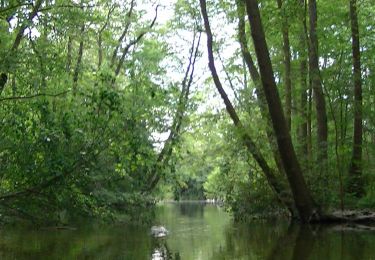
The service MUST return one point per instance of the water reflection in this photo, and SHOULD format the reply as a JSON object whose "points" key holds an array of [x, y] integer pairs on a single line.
{"points": [[300, 239], [160, 250], [295, 242], [196, 232], [191, 209]]}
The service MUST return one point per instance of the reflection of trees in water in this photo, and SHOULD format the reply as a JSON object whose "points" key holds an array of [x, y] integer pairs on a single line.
{"points": [[295, 242], [241, 241], [93, 243], [160, 250], [191, 209], [267, 241]]}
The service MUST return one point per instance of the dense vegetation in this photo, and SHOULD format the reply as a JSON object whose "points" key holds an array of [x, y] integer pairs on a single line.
{"points": [[108, 106]]}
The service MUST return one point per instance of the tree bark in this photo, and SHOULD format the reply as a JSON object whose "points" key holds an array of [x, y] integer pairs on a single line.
{"points": [[307, 209], [355, 184], [303, 126], [69, 55], [287, 66], [254, 74], [320, 104], [246, 138]]}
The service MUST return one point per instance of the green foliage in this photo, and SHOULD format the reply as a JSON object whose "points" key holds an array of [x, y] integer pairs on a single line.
{"points": [[79, 139], [84, 153]]}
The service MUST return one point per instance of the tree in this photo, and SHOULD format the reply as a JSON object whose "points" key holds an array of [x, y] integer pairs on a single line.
{"points": [[77, 131], [19, 36], [355, 184], [303, 133], [246, 138], [175, 129], [287, 66], [253, 71], [320, 104], [304, 202]]}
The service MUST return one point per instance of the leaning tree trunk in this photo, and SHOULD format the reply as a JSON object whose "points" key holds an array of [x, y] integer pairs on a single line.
{"points": [[262, 102], [320, 105], [175, 130], [280, 191], [255, 77], [304, 202], [355, 184]]}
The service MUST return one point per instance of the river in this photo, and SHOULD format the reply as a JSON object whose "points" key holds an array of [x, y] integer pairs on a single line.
{"points": [[197, 231]]}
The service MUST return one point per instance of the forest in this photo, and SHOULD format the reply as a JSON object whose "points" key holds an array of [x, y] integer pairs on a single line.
{"points": [[107, 107]]}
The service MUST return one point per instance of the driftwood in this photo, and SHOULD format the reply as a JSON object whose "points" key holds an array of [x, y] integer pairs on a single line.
{"points": [[358, 217], [353, 227]]}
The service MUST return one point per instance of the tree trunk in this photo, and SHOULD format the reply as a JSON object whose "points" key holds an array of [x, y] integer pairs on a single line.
{"points": [[303, 126], [304, 202], [79, 61], [175, 129], [100, 50], [254, 74], [320, 104], [69, 55], [248, 141], [287, 67], [355, 184], [124, 33]]}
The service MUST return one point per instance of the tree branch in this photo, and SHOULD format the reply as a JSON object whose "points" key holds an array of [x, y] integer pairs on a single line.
{"points": [[100, 40], [124, 33], [34, 96], [17, 41], [132, 43]]}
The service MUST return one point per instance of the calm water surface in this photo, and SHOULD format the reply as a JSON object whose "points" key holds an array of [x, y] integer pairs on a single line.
{"points": [[197, 231]]}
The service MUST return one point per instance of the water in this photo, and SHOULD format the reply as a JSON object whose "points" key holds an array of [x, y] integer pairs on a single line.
{"points": [[197, 231]]}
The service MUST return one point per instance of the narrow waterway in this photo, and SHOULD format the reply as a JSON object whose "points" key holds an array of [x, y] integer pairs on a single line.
{"points": [[196, 231]]}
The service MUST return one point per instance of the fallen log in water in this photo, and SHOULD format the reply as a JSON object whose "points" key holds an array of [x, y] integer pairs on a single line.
{"points": [[349, 216]]}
